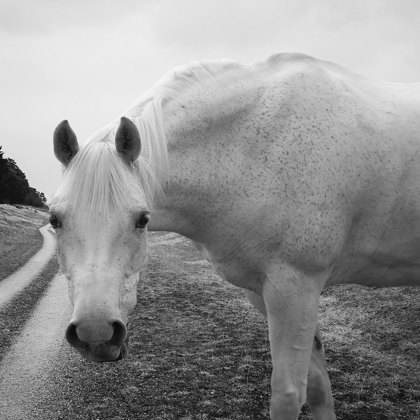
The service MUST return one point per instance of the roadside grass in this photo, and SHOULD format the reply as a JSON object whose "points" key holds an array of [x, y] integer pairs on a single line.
{"points": [[200, 351], [20, 238]]}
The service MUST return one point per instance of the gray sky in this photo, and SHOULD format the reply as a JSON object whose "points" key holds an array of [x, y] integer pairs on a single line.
{"points": [[87, 60]]}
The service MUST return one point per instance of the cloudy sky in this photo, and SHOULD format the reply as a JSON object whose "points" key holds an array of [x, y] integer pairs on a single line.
{"points": [[87, 60]]}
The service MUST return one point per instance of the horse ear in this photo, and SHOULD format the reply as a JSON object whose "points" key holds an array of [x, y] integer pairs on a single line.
{"points": [[127, 140], [65, 143]]}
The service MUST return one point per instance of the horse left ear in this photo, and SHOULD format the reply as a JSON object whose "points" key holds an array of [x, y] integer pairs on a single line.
{"points": [[127, 140]]}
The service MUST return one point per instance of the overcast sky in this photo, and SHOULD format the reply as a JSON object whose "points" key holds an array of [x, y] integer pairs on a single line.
{"points": [[87, 60]]}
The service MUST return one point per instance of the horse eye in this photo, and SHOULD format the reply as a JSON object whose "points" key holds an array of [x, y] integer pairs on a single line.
{"points": [[142, 222], [54, 222]]}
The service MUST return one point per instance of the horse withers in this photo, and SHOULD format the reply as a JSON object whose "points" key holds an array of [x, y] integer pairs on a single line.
{"points": [[289, 175]]}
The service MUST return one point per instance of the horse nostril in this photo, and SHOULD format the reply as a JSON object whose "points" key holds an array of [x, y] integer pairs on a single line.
{"points": [[120, 333], [72, 337]]}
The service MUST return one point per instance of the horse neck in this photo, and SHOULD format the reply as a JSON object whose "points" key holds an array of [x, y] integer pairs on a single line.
{"points": [[204, 134]]}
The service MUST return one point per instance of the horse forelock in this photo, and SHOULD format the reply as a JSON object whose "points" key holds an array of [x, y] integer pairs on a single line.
{"points": [[96, 184]]}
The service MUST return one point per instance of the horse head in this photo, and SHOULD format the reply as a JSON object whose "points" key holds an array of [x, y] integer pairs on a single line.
{"points": [[100, 214]]}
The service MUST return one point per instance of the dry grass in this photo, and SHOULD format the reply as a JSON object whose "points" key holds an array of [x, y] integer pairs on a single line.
{"points": [[19, 236], [373, 351]]}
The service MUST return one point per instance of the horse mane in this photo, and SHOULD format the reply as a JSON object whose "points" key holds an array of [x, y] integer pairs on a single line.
{"points": [[97, 174]]}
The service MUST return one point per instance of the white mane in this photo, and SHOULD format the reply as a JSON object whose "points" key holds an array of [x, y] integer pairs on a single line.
{"points": [[97, 174]]}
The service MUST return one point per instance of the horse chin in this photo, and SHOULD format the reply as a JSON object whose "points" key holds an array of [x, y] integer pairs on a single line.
{"points": [[123, 352], [105, 354]]}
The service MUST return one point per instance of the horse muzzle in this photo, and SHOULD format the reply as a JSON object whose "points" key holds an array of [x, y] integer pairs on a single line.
{"points": [[99, 341]]}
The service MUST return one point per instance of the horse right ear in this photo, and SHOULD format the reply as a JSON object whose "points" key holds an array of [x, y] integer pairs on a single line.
{"points": [[65, 143]]}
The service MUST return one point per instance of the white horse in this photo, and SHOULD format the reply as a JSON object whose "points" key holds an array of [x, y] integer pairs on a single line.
{"points": [[290, 175]]}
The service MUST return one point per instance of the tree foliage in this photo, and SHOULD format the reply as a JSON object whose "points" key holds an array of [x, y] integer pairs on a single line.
{"points": [[14, 187]]}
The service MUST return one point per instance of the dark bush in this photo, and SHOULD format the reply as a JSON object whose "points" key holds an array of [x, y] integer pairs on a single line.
{"points": [[14, 187]]}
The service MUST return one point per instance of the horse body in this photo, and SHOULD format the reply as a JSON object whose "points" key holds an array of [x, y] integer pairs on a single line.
{"points": [[289, 175], [304, 162]]}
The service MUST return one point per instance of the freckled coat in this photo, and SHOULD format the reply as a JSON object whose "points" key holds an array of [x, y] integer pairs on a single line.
{"points": [[301, 160]]}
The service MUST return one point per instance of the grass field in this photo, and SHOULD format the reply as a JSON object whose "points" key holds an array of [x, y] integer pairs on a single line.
{"points": [[200, 351]]}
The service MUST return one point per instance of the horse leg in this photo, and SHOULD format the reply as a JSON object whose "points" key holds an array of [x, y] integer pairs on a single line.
{"points": [[291, 301], [319, 396]]}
